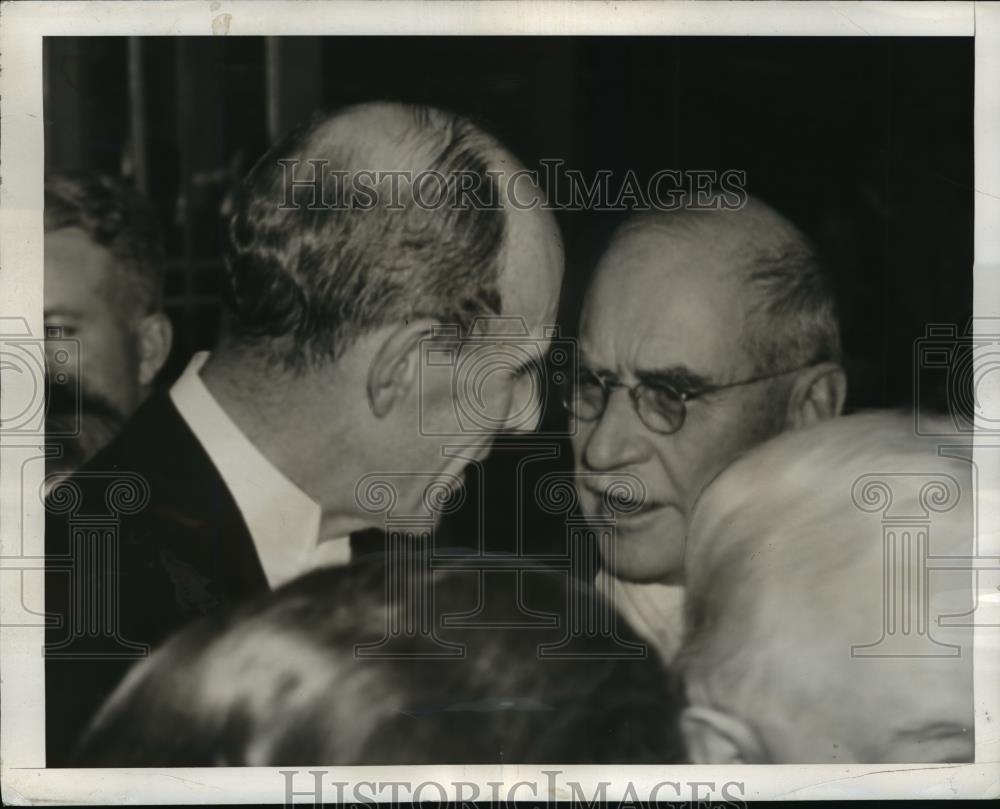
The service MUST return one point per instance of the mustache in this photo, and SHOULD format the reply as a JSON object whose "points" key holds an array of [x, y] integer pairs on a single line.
{"points": [[79, 424], [63, 403]]}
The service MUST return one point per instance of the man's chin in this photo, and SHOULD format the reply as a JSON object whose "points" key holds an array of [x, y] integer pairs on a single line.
{"points": [[77, 447], [645, 574], [643, 557], [72, 454]]}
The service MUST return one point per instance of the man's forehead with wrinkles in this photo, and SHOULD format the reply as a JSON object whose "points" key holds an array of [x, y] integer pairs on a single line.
{"points": [[665, 298], [740, 235]]}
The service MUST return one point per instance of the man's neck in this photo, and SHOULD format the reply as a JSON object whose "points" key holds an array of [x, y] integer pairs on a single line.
{"points": [[253, 407], [259, 407]]}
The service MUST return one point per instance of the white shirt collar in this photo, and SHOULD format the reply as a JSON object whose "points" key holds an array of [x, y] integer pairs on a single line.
{"points": [[282, 519], [654, 610]]}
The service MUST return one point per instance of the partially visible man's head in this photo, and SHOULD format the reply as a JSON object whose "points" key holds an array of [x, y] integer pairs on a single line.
{"points": [[352, 239], [681, 302], [103, 288], [813, 629], [281, 681]]}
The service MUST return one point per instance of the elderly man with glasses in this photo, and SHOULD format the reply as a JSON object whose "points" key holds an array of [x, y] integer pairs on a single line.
{"points": [[704, 333]]}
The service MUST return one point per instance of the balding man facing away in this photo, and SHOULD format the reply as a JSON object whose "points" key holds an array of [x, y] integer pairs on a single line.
{"points": [[816, 631], [704, 332], [252, 462]]}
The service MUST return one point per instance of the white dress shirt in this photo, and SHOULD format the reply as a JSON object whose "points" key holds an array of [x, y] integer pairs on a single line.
{"points": [[655, 611], [283, 520]]}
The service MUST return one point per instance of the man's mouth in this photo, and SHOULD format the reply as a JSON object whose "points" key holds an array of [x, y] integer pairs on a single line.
{"points": [[64, 406], [622, 502]]}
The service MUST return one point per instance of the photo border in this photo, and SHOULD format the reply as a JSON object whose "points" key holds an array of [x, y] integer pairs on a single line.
{"points": [[22, 26]]}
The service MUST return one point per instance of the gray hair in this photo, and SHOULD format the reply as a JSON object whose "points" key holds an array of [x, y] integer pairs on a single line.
{"points": [[118, 218], [791, 319], [253, 686], [309, 279]]}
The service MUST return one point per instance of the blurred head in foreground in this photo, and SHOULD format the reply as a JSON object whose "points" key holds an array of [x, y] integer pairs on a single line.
{"points": [[791, 654], [279, 683]]}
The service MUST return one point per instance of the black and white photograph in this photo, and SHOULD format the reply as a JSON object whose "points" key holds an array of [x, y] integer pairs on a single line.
{"points": [[543, 401]]}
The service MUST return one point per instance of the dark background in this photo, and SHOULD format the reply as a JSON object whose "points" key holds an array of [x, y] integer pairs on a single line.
{"points": [[866, 143]]}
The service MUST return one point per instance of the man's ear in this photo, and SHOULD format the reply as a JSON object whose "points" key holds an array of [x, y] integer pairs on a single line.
{"points": [[395, 366], [156, 336], [817, 394], [714, 737]]}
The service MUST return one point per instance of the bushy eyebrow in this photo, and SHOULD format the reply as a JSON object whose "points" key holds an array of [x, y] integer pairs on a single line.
{"points": [[586, 365], [676, 376]]}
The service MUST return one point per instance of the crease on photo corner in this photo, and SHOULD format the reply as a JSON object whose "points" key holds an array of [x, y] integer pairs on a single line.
{"points": [[887, 771], [14, 797]]}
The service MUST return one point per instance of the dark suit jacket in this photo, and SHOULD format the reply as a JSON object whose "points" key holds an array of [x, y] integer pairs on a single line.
{"points": [[141, 541]]}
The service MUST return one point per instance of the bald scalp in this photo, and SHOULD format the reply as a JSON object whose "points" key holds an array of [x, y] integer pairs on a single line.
{"points": [[386, 136], [417, 139], [777, 572], [790, 318], [736, 233], [323, 248]]}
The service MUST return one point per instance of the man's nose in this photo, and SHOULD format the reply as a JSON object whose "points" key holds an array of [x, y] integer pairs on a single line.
{"points": [[619, 438]]}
